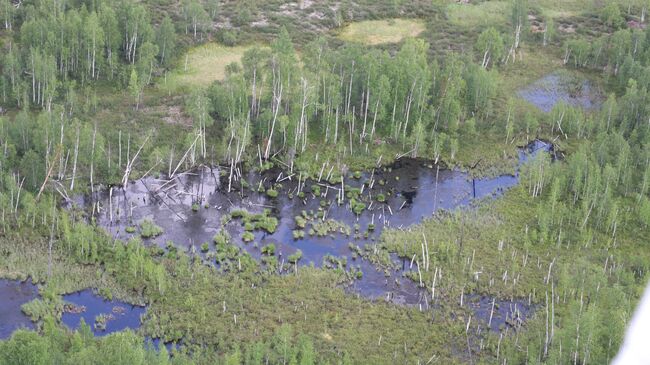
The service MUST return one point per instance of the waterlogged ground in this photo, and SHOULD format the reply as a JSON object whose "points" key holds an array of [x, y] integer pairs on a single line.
{"points": [[192, 207], [13, 294], [558, 87]]}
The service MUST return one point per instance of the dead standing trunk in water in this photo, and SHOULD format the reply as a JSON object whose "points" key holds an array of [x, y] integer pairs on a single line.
{"points": [[74, 166], [277, 100], [129, 165]]}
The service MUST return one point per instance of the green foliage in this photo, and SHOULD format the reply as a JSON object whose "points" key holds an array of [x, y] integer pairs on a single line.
{"points": [[298, 234], [610, 14], [269, 249], [248, 237], [295, 257], [490, 47], [272, 193], [301, 222], [357, 206], [148, 229]]}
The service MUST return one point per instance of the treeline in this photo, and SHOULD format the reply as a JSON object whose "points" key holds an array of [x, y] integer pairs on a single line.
{"points": [[352, 97], [60, 45]]}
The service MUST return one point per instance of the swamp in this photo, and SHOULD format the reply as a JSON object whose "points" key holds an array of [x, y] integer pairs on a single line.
{"points": [[322, 182]]}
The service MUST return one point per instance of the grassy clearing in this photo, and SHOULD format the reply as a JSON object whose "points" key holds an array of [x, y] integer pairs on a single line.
{"points": [[374, 32], [482, 14], [202, 66]]}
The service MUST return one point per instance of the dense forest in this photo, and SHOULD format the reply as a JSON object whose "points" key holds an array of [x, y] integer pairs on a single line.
{"points": [[336, 125]]}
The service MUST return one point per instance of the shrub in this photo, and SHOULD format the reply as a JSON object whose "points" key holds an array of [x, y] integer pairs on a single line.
{"points": [[295, 257], [300, 221], [269, 249], [272, 193], [298, 234], [248, 237], [149, 229]]}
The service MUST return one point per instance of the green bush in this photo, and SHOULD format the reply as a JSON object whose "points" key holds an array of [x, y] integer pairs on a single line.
{"points": [[295, 257], [248, 237], [300, 221], [149, 229], [269, 249], [272, 193], [298, 234]]}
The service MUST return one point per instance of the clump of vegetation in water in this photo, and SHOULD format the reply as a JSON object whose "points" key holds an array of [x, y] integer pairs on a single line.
{"points": [[329, 226], [221, 238], [130, 229], [352, 193], [205, 247], [248, 237], [298, 234], [301, 222], [315, 189], [269, 249], [149, 229], [295, 257], [381, 198], [195, 207], [251, 222], [357, 206], [335, 263], [272, 193], [357, 175], [101, 321]]}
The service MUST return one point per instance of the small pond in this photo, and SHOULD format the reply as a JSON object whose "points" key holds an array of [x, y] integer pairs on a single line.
{"points": [[13, 294], [558, 87], [103, 316]]}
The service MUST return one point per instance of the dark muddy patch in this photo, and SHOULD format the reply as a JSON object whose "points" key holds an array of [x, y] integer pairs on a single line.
{"points": [[559, 87], [13, 294], [103, 316]]}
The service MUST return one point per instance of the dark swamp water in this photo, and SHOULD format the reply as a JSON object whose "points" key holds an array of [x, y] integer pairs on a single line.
{"points": [[190, 207], [102, 315], [13, 294]]}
